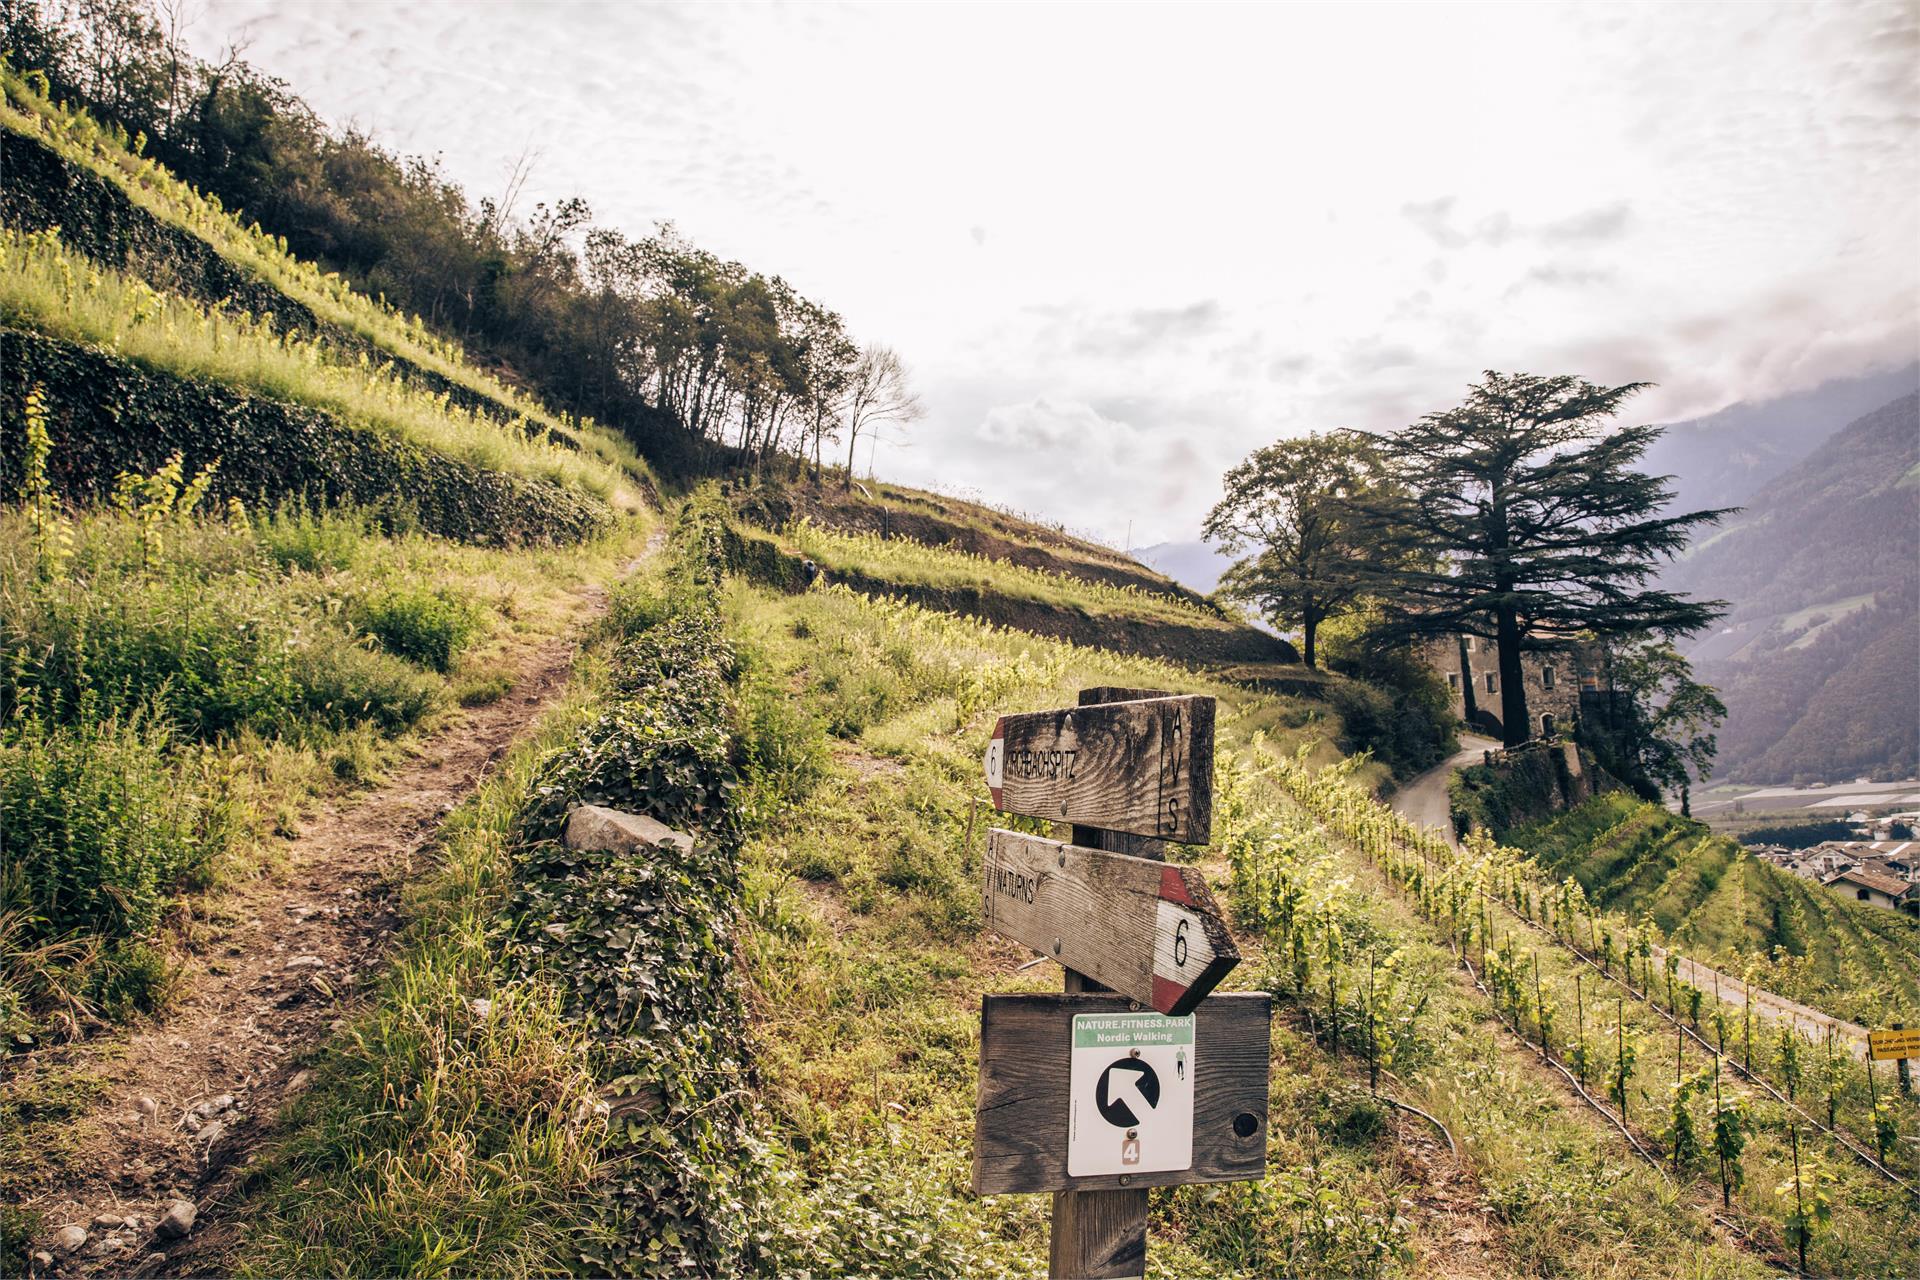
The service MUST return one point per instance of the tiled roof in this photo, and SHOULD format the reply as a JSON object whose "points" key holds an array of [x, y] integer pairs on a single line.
{"points": [[1888, 885]]}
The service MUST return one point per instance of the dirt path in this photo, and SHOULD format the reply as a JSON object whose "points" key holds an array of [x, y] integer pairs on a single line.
{"points": [[183, 1100]]}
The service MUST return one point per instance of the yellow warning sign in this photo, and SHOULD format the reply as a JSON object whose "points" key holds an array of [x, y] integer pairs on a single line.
{"points": [[1894, 1044]]}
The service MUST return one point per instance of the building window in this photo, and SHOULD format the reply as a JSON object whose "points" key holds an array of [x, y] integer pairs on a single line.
{"points": [[1489, 682], [1453, 681], [1865, 896], [1546, 677]]}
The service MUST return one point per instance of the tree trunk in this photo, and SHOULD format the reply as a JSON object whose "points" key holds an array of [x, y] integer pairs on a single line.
{"points": [[853, 438], [1514, 728], [1469, 705], [1309, 624]]}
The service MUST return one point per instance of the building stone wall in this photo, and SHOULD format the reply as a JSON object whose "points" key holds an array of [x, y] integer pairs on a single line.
{"points": [[1553, 682]]}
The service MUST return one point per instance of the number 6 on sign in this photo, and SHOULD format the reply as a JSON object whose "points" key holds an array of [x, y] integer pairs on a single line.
{"points": [[1147, 929]]}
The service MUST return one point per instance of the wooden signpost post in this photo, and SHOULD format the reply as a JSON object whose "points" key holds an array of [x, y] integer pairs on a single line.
{"points": [[1133, 1078]]}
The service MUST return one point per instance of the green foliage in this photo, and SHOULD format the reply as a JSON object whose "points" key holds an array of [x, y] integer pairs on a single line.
{"points": [[341, 684], [1297, 509], [898, 560], [271, 449], [1812, 1208], [102, 822], [1799, 835], [429, 626], [1526, 786], [47, 288], [664, 749], [52, 541], [1732, 1128], [1660, 736], [1683, 1135], [300, 536], [1707, 894], [1525, 522]]}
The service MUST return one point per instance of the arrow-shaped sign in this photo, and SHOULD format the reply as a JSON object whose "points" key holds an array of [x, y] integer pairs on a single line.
{"points": [[1148, 930], [1142, 766]]}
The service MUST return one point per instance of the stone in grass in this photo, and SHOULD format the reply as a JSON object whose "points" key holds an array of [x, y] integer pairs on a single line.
{"points": [[69, 1238], [178, 1220], [592, 827]]}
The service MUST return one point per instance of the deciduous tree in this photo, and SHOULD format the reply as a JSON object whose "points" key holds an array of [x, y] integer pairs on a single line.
{"points": [[1298, 511]]}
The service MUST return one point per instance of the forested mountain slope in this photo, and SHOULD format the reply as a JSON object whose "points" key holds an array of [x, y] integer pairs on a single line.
{"points": [[1818, 659], [1723, 459]]}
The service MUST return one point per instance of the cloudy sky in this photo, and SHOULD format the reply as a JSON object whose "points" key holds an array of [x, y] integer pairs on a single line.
{"points": [[1121, 246]]}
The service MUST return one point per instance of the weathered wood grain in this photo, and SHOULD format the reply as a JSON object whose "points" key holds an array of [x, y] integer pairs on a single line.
{"points": [[1143, 766], [1119, 841], [1098, 1235], [1145, 929], [1021, 1125]]}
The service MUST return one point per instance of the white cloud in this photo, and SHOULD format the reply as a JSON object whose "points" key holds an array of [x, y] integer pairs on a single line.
{"points": [[1210, 225]]}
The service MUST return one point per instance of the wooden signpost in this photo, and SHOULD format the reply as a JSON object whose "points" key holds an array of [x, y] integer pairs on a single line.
{"points": [[1144, 929], [1143, 766], [1134, 1077]]}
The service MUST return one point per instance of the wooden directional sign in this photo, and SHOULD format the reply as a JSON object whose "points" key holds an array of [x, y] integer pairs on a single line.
{"points": [[1148, 930], [1897, 1043], [1144, 767], [1060, 1084]]}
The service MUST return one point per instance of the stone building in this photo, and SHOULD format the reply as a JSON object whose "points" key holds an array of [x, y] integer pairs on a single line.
{"points": [[1877, 888], [1554, 683]]}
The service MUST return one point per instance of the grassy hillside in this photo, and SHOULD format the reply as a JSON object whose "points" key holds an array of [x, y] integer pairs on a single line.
{"points": [[282, 330], [852, 844], [1080, 603], [895, 511], [177, 685], [1721, 904]]}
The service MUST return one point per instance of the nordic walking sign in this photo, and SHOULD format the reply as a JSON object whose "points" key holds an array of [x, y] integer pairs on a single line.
{"points": [[1130, 1092]]}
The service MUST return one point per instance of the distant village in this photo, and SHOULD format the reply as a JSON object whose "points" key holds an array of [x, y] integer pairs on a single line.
{"points": [[1875, 869]]}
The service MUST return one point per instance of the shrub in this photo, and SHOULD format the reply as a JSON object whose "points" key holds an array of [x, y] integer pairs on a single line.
{"points": [[100, 824], [483, 690], [297, 536], [341, 683], [211, 662], [427, 626], [633, 607]]}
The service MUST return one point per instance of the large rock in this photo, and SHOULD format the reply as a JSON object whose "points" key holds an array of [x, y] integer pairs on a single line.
{"points": [[178, 1220], [592, 827]]}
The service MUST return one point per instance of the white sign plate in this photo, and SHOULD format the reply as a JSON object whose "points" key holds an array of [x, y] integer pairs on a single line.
{"points": [[1130, 1093]]}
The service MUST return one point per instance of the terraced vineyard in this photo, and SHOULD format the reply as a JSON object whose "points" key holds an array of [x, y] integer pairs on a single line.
{"points": [[1723, 906]]}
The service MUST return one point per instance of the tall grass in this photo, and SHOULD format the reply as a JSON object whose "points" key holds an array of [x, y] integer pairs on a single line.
{"points": [[173, 686], [78, 137], [49, 288]]}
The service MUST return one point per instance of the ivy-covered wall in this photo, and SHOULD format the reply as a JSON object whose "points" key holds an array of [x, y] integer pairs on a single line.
{"points": [[43, 190], [109, 415]]}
